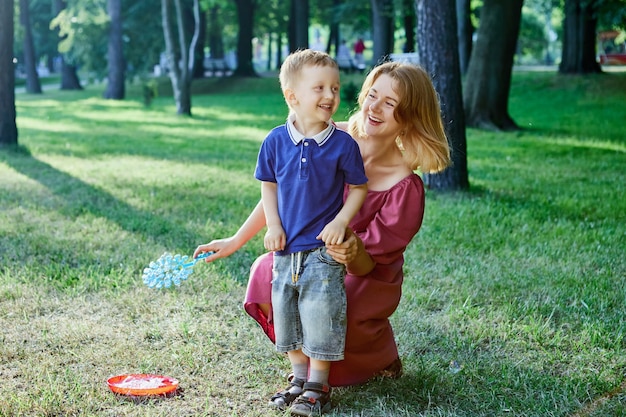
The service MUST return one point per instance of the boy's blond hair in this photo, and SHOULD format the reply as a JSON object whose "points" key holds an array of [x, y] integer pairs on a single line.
{"points": [[290, 69]]}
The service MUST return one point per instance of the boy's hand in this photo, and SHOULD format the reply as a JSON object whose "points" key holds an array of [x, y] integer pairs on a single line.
{"points": [[275, 238], [333, 233]]}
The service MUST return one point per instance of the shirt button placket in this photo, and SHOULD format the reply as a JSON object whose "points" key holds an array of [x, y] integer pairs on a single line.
{"points": [[304, 159]]}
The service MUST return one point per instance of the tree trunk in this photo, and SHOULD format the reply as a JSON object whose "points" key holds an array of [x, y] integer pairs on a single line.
{"points": [[299, 25], [491, 64], [333, 39], [409, 20], [33, 86], [382, 29], [180, 72], [245, 17], [216, 41], [579, 38], [115, 53], [8, 128], [69, 76], [438, 51], [464, 32], [198, 66]]}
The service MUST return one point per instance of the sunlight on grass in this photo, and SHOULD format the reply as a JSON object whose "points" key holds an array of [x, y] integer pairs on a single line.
{"points": [[49, 126]]}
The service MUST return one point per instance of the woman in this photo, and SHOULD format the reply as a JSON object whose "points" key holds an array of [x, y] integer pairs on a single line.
{"points": [[399, 130]]}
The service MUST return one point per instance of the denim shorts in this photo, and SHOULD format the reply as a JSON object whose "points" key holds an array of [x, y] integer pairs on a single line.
{"points": [[309, 304]]}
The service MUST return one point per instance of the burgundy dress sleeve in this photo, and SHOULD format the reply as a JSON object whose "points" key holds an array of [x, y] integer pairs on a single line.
{"points": [[387, 222]]}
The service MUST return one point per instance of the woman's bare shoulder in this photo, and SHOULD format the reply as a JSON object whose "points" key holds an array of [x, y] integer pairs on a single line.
{"points": [[342, 125]]}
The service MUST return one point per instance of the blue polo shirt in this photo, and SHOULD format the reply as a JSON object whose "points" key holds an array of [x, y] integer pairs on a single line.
{"points": [[310, 174]]}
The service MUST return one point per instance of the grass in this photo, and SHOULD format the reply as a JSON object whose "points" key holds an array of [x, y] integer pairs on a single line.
{"points": [[514, 291]]}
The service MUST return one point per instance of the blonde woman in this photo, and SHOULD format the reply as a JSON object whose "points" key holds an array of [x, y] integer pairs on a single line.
{"points": [[399, 131]]}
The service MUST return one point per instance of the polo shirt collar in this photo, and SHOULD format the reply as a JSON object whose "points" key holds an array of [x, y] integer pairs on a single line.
{"points": [[297, 137]]}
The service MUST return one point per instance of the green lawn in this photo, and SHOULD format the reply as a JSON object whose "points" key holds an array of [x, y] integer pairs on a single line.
{"points": [[514, 295]]}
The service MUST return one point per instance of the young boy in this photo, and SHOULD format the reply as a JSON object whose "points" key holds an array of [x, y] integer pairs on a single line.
{"points": [[304, 166]]}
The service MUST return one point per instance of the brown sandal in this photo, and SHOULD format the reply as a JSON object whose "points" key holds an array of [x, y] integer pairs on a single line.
{"points": [[284, 398], [310, 406]]}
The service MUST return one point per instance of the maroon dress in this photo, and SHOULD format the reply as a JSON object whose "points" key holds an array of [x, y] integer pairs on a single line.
{"points": [[386, 223]]}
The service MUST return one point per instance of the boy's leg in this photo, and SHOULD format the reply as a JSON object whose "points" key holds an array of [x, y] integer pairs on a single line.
{"points": [[319, 373], [299, 366], [315, 400]]}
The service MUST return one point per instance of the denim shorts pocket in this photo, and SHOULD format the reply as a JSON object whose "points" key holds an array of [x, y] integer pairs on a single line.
{"points": [[324, 257]]}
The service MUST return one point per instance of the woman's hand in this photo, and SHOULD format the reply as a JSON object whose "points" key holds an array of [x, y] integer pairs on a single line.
{"points": [[346, 251], [221, 248]]}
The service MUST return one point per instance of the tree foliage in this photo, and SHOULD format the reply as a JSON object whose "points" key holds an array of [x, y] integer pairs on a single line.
{"points": [[84, 24]]}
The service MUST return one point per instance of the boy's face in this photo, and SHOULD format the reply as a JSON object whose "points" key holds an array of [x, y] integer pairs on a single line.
{"points": [[314, 95]]}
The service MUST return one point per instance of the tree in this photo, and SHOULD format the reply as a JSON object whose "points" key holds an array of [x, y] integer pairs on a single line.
{"points": [[491, 65], [33, 86], [382, 28], [409, 22], [115, 53], [465, 30], [180, 55], [579, 38], [216, 41], [245, 16], [198, 67], [298, 25], [69, 76], [84, 29], [8, 128], [438, 53]]}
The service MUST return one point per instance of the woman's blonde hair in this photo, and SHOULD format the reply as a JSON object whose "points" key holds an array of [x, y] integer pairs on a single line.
{"points": [[422, 140]]}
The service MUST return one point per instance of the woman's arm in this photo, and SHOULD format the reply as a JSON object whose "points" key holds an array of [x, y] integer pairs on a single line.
{"points": [[227, 246], [352, 253]]}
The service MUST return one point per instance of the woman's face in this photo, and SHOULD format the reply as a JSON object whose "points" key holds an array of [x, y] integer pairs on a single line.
{"points": [[379, 107]]}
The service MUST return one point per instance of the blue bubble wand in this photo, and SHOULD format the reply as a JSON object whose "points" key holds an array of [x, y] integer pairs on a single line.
{"points": [[170, 269]]}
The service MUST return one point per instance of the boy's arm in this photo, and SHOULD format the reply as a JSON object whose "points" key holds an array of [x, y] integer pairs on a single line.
{"points": [[334, 232], [275, 236]]}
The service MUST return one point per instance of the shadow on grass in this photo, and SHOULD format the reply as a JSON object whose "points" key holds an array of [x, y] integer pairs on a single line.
{"points": [[79, 198], [411, 394]]}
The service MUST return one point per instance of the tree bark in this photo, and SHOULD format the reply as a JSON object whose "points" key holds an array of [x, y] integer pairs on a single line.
{"points": [[579, 38], [198, 66], [180, 72], [382, 29], [216, 41], [438, 53], [8, 128], [409, 21], [33, 86], [115, 87], [298, 25], [464, 32], [491, 64], [245, 16], [69, 75]]}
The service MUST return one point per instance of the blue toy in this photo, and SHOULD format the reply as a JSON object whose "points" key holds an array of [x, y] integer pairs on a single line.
{"points": [[170, 269]]}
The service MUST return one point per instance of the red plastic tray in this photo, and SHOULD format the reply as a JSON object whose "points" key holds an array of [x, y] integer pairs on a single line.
{"points": [[142, 384]]}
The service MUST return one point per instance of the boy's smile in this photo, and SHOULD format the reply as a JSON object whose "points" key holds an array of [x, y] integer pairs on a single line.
{"points": [[314, 98]]}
